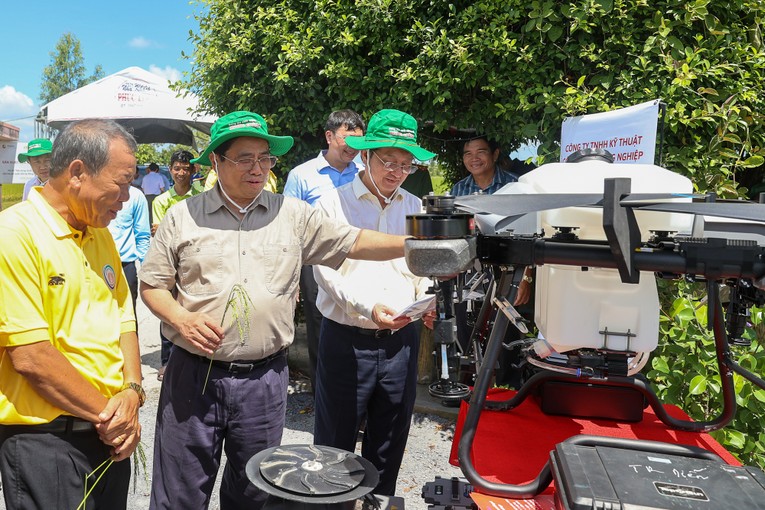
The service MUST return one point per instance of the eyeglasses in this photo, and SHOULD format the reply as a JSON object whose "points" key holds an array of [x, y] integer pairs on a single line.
{"points": [[392, 167], [248, 164]]}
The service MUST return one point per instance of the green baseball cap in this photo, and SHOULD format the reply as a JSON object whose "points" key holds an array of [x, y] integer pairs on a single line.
{"points": [[36, 147], [242, 123], [390, 128]]}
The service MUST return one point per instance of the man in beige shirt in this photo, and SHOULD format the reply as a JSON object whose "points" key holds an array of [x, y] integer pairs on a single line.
{"points": [[222, 274]]}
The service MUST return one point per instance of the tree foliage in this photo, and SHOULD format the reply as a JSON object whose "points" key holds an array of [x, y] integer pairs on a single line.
{"points": [[159, 153], [684, 369], [66, 71], [510, 68]]}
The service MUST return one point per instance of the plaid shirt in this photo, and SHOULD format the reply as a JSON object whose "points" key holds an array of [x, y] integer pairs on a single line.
{"points": [[467, 186]]}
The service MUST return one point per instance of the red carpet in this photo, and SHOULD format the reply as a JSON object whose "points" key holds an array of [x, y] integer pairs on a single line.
{"points": [[512, 446]]}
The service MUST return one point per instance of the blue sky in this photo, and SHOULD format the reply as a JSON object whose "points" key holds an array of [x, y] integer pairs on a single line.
{"points": [[146, 33]]}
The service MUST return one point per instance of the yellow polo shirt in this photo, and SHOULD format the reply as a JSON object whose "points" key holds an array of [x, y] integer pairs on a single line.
{"points": [[58, 286]]}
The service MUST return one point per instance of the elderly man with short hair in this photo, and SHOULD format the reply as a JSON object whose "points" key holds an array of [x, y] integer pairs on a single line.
{"points": [[70, 369]]}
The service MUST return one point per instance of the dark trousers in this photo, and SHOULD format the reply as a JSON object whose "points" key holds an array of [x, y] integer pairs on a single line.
{"points": [[308, 292], [165, 347], [242, 414], [362, 376], [131, 275], [45, 470], [150, 200]]}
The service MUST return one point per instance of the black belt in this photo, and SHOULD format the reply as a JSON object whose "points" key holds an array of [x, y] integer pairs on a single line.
{"points": [[375, 333], [241, 366], [61, 425]]}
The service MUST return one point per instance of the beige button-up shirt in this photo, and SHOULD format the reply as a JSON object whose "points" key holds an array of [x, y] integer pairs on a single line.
{"points": [[202, 250]]}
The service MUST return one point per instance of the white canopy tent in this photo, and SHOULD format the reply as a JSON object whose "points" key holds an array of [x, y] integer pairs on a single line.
{"points": [[139, 100]]}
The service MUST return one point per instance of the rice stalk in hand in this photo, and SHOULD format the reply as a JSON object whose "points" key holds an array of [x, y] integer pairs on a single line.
{"points": [[139, 463], [102, 468], [239, 303]]}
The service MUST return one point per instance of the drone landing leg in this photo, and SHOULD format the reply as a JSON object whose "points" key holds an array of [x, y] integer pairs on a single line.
{"points": [[477, 401], [543, 479]]}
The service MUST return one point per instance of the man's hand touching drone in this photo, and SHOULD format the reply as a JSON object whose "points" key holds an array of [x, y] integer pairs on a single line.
{"points": [[524, 289]]}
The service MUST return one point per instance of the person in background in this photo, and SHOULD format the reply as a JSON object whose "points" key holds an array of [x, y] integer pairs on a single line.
{"points": [[199, 176], [38, 155], [153, 185], [333, 167], [367, 363], [480, 156], [183, 188], [132, 234], [70, 367], [237, 248], [137, 179]]}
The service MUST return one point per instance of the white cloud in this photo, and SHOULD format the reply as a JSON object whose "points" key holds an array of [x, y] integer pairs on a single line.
{"points": [[141, 42], [18, 109], [172, 74], [15, 104]]}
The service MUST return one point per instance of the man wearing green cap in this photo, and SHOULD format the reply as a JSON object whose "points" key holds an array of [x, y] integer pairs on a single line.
{"points": [[222, 275], [367, 362], [38, 155]]}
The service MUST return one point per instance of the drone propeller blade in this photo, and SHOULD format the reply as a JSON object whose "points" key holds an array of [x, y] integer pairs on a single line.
{"points": [[514, 205], [635, 198], [739, 211], [517, 204]]}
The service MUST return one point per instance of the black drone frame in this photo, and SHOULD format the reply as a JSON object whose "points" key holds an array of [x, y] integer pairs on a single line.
{"points": [[712, 259]]}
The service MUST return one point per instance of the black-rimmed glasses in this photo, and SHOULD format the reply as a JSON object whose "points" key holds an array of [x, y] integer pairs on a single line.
{"points": [[248, 164], [392, 167]]}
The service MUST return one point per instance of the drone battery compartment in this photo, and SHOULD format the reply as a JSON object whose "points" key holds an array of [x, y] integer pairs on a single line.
{"points": [[589, 477], [582, 400]]}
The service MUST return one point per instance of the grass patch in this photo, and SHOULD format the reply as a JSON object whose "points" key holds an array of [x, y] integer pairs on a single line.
{"points": [[12, 194]]}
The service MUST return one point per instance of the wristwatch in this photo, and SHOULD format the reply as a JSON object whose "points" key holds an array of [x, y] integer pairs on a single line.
{"points": [[138, 389], [527, 278]]}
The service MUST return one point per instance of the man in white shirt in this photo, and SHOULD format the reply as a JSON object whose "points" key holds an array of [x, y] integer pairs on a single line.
{"points": [[332, 168], [38, 155], [367, 362]]}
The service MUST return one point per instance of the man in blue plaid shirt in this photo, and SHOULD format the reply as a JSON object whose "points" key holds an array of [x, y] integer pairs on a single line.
{"points": [[480, 156]]}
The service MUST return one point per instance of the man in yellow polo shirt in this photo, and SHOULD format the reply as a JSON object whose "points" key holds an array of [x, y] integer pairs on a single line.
{"points": [[70, 369]]}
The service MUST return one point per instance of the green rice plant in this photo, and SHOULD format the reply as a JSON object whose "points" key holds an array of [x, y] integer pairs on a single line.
{"points": [[98, 473], [139, 463], [11, 194], [240, 304]]}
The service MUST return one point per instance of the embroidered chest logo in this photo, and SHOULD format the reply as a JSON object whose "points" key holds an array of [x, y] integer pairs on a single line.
{"points": [[109, 276], [56, 280]]}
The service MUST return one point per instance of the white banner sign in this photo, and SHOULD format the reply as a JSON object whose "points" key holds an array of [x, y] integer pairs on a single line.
{"points": [[628, 133], [11, 171]]}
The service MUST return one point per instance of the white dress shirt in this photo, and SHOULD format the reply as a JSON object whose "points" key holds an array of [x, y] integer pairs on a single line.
{"points": [[31, 183], [348, 294]]}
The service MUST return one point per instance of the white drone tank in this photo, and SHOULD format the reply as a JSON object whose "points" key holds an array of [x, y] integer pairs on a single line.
{"points": [[576, 306]]}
